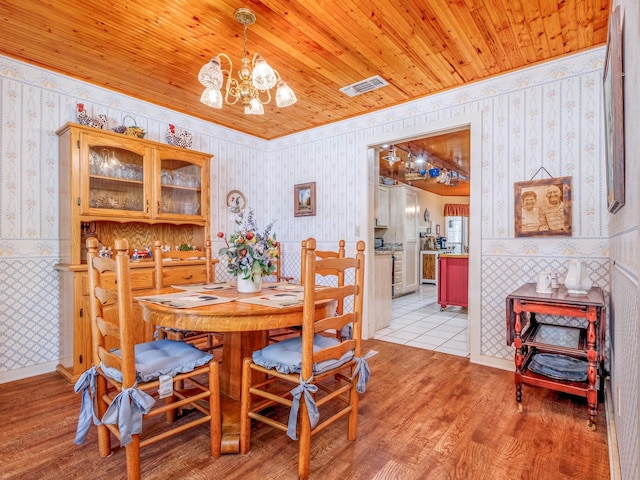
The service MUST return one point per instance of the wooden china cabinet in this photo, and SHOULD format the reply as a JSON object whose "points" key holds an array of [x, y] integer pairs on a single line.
{"points": [[113, 185]]}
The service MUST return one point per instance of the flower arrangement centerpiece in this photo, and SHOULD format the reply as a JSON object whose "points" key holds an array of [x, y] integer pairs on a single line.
{"points": [[249, 252]]}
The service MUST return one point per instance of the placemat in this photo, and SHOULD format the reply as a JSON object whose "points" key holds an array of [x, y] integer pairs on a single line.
{"points": [[186, 299], [284, 287], [276, 300], [204, 287]]}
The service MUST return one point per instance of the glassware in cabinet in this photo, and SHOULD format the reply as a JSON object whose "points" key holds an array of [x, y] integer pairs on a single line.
{"points": [[114, 177], [183, 180]]}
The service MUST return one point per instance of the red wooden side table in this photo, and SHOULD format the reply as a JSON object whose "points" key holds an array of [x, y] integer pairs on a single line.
{"points": [[531, 337]]}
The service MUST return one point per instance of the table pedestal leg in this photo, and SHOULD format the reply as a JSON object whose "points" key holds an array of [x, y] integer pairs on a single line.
{"points": [[237, 345]]}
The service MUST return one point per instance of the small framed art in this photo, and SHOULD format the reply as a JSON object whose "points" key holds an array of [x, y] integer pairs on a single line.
{"points": [[304, 199]]}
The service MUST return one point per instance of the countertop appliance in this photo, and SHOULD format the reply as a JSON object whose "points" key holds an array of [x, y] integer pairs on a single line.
{"points": [[442, 242], [431, 243], [378, 242]]}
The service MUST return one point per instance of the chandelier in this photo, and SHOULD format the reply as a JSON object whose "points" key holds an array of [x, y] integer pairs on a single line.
{"points": [[255, 79], [391, 157]]}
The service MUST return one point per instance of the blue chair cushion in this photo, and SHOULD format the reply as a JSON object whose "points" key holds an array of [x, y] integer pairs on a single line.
{"points": [[162, 357], [286, 356]]}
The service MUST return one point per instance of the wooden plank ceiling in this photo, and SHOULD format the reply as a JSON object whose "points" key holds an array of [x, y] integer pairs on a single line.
{"points": [[153, 50]]}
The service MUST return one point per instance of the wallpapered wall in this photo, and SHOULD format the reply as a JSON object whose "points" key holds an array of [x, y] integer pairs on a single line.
{"points": [[34, 103], [547, 115], [623, 237]]}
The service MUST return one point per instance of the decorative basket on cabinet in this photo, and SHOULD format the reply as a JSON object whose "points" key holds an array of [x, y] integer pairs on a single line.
{"points": [[132, 131]]}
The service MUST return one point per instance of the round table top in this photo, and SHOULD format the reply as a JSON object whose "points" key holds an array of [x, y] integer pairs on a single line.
{"points": [[230, 316]]}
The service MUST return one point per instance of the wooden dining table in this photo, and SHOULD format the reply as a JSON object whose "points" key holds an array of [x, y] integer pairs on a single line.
{"points": [[245, 327]]}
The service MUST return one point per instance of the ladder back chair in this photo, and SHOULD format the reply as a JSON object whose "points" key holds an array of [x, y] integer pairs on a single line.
{"points": [[205, 341], [316, 367], [277, 275], [190, 275], [137, 383], [340, 253], [284, 333]]}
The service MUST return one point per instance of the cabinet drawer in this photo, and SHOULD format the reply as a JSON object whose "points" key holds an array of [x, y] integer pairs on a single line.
{"points": [[142, 279], [184, 274], [397, 278]]}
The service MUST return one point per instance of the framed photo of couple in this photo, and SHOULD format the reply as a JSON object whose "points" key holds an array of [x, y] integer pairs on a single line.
{"points": [[543, 207]]}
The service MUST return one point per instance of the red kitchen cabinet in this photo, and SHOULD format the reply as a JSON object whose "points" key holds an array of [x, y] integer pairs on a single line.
{"points": [[453, 280]]}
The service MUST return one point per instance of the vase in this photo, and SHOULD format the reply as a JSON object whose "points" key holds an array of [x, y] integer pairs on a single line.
{"points": [[577, 280], [249, 285]]}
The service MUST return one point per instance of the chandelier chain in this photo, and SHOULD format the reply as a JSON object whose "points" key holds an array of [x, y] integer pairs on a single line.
{"points": [[245, 40]]}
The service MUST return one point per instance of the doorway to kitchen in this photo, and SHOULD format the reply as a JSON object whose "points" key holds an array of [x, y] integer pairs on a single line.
{"points": [[410, 313]]}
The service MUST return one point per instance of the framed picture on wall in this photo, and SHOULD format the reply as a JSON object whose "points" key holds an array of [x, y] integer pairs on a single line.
{"points": [[304, 199], [614, 114], [543, 207]]}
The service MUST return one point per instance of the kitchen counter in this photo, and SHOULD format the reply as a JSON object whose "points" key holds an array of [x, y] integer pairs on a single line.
{"points": [[386, 250], [381, 316], [455, 255]]}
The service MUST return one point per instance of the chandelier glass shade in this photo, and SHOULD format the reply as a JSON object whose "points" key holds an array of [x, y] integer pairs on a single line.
{"points": [[252, 88]]}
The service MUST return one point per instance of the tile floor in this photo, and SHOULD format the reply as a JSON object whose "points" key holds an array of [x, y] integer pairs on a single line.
{"points": [[418, 322]]}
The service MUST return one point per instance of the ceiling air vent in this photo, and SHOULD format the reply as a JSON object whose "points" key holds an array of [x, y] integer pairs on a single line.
{"points": [[364, 86]]}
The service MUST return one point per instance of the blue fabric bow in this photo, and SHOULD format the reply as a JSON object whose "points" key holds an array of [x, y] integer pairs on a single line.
{"points": [[126, 410], [87, 385], [308, 389], [362, 370]]}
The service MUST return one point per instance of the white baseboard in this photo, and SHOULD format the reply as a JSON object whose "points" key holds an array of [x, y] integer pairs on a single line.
{"points": [[27, 372], [612, 437], [494, 362]]}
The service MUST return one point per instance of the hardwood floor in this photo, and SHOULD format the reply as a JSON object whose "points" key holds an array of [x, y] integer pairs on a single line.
{"points": [[425, 415]]}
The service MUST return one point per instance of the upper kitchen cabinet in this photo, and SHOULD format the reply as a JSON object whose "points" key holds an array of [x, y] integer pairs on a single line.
{"points": [[382, 208]]}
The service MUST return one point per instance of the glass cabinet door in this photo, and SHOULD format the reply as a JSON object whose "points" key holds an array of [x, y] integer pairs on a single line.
{"points": [[116, 179], [181, 186]]}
